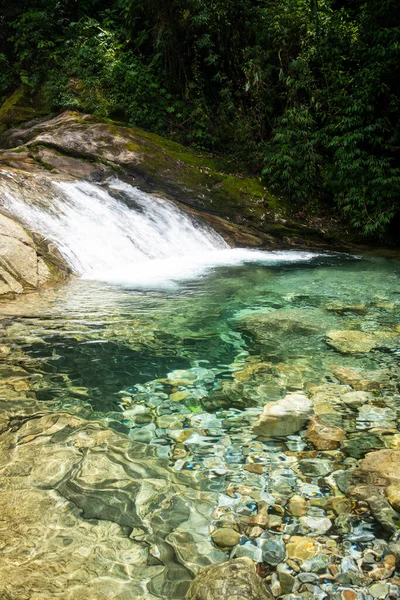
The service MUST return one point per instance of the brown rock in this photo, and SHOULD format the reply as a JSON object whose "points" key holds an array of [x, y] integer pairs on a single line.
{"points": [[254, 468], [358, 342], [381, 469], [285, 416], [324, 437], [260, 520], [297, 506]]}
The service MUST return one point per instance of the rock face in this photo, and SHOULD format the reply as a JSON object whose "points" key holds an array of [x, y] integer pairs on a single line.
{"points": [[232, 580], [285, 416], [239, 207], [24, 264]]}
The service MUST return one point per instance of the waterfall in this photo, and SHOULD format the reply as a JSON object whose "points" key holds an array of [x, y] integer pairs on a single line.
{"points": [[117, 233]]}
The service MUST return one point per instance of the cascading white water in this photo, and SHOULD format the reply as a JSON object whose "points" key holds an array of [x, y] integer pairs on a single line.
{"points": [[118, 233]]}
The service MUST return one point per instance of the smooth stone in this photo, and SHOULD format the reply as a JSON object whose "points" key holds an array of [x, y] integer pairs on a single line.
{"points": [[324, 437], [297, 506], [376, 416], [248, 550], [179, 396], [235, 579], [308, 577], [382, 469], [319, 525], [225, 537], [341, 505], [254, 468], [379, 590], [273, 548], [317, 564], [286, 580], [284, 417], [301, 548], [315, 467]]}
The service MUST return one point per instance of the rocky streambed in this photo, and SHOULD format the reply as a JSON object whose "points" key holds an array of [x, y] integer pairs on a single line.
{"points": [[235, 436]]}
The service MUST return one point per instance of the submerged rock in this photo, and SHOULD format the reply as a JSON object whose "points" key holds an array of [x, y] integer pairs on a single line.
{"points": [[380, 470], [231, 580], [267, 325], [324, 437], [359, 342], [225, 537], [301, 548], [284, 417]]}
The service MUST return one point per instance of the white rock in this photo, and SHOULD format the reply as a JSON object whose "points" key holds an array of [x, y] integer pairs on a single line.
{"points": [[284, 417], [318, 525]]}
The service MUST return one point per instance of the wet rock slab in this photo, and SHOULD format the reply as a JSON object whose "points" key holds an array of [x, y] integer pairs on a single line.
{"points": [[96, 514]]}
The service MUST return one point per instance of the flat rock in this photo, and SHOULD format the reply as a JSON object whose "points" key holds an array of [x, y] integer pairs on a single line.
{"points": [[231, 580], [358, 342]]}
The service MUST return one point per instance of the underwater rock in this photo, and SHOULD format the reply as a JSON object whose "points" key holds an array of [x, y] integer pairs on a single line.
{"points": [[380, 470], [225, 537], [324, 437], [359, 444], [317, 525], [297, 506], [264, 325], [301, 548], [100, 514], [359, 342], [284, 417], [356, 380], [231, 580], [356, 399]]}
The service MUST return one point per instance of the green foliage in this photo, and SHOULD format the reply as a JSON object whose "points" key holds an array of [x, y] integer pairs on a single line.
{"points": [[304, 91]]}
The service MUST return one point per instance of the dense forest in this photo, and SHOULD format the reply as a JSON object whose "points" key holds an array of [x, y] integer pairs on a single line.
{"points": [[304, 93]]}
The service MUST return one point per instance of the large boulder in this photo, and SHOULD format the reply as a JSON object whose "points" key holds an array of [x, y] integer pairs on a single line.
{"points": [[240, 207], [284, 417], [231, 580], [25, 263]]}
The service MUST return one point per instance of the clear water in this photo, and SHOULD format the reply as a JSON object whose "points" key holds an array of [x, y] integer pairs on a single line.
{"points": [[108, 338], [177, 346]]}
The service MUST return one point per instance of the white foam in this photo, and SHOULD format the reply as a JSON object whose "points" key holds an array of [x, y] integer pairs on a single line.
{"points": [[120, 234]]}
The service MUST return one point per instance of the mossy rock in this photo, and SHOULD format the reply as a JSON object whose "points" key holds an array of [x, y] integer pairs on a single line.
{"points": [[201, 181], [18, 108]]}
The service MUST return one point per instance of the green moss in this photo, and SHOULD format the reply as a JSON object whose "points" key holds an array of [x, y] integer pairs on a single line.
{"points": [[18, 150], [19, 107], [132, 147]]}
